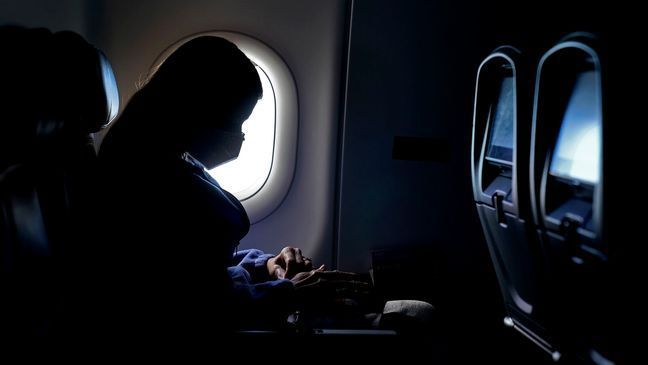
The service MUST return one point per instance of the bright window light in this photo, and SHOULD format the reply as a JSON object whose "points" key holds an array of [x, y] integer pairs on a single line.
{"points": [[246, 175]]}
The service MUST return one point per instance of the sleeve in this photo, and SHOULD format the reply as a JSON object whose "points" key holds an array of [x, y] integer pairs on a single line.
{"points": [[255, 295], [254, 262], [243, 286]]}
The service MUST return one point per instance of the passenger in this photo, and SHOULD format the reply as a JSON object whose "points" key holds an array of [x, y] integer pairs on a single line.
{"points": [[171, 229]]}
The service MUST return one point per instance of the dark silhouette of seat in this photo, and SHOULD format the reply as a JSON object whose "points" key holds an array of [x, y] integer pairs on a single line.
{"points": [[567, 195], [538, 186], [66, 91], [500, 180]]}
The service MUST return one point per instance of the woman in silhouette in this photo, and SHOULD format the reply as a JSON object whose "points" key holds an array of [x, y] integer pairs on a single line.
{"points": [[170, 229]]}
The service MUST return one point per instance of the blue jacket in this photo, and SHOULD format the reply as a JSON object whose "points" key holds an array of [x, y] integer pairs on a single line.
{"points": [[255, 293]]}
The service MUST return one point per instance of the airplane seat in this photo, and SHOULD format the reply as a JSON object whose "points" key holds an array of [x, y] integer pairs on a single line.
{"points": [[85, 98], [500, 155], [46, 194], [19, 69], [567, 196]]}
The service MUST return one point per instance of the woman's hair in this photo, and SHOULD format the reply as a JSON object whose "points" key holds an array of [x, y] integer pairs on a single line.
{"points": [[205, 83]]}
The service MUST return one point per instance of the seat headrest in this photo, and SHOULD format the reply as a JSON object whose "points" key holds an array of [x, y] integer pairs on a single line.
{"points": [[51, 83], [82, 84]]}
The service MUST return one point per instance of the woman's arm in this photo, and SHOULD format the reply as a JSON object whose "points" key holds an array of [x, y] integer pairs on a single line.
{"points": [[262, 266], [255, 263]]}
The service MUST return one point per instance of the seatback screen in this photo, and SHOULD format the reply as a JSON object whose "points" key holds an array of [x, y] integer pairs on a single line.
{"points": [[501, 138], [577, 152]]}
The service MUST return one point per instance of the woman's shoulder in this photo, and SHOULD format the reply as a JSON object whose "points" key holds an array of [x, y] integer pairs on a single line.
{"points": [[206, 189]]}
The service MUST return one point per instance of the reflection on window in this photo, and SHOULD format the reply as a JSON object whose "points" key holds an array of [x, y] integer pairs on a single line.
{"points": [[245, 175]]}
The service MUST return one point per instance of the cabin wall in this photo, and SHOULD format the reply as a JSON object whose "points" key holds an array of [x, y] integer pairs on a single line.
{"points": [[55, 15], [412, 72]]}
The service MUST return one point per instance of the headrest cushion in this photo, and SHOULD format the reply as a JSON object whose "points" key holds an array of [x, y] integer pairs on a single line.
{"points": [[82, 85]]}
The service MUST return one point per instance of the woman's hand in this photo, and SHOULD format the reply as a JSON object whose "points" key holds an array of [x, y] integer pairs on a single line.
{"points": [[288, 263], [319, 278], [319, 287]]}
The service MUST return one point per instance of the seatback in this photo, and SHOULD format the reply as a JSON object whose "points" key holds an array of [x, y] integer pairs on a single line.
{"points": [[567, 195], [500, 155], [45, 195], [21, 67]]}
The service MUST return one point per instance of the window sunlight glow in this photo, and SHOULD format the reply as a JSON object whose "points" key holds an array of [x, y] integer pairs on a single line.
{"points": [[245, 175]]}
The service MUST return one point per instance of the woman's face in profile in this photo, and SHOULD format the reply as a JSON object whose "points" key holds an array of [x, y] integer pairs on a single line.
{"points": [[216, 145]]}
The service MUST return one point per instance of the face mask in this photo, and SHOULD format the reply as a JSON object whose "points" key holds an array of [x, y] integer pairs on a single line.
{"points": [[216, 147], [231, 143]]}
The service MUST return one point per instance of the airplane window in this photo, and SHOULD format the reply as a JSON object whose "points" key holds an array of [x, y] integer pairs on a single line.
{"points": [[245, 175], [262, 174]]}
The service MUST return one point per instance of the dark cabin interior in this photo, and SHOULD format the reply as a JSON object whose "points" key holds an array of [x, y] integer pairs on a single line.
{"points": [[390, 173]]}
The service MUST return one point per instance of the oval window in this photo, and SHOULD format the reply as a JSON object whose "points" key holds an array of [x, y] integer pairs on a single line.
{"points": [[260, 177]]}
